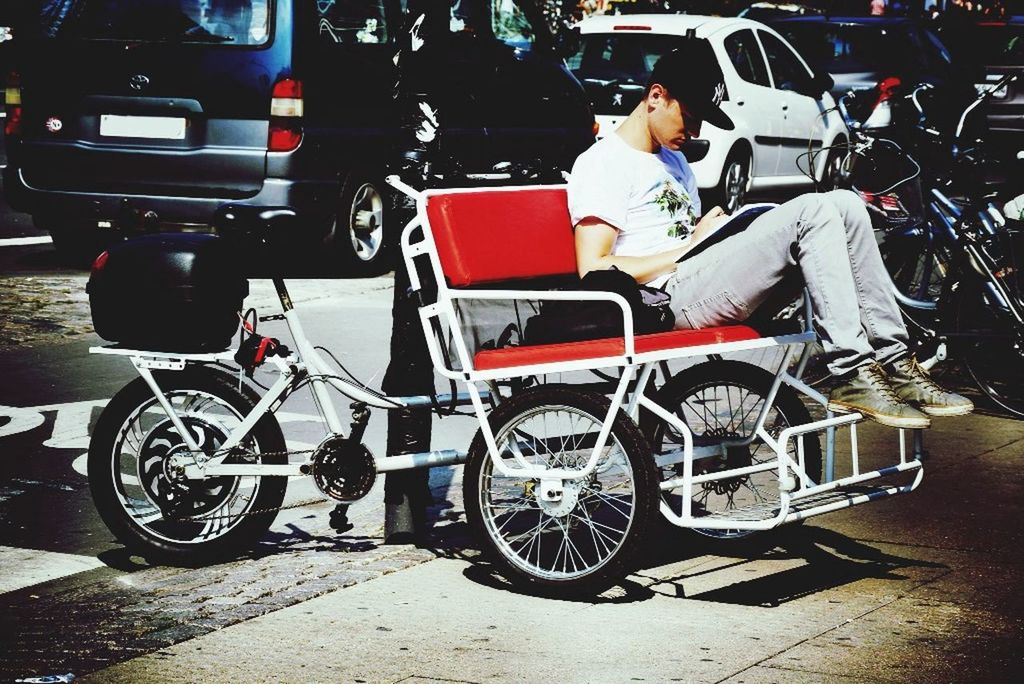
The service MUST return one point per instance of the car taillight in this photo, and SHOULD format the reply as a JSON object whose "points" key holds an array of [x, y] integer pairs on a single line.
{"points": [[100, 262], [286, 110], [887, 88], [12, 104], [596, 128], [881, 111]]}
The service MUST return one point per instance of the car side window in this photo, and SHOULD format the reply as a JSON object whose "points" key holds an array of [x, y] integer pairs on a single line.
{"points": [[786, 67], [745, 55], [352, 22]]}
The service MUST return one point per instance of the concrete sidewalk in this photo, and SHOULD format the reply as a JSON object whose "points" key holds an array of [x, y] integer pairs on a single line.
{"points": [[921, 588]]}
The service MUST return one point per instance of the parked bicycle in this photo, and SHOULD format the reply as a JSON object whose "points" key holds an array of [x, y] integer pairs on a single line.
{"points": [[952, 257]]}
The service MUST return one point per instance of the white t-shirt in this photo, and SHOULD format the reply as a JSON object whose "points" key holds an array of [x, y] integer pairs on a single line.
{"points": [[651, 199]]}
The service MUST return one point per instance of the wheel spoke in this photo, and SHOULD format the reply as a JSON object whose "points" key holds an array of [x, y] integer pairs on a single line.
{"points": [[204, 511], [721, 410], [569, 538]]}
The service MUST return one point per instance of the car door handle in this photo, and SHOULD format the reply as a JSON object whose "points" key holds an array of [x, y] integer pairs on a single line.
{"points": [[785, 107], [739, 103]]}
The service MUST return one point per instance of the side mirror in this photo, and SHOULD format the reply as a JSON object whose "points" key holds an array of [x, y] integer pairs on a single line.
{"points": [[567, 41]]}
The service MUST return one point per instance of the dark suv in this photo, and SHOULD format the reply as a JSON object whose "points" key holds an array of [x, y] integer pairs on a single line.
{"points": [[152, 114], [860, 52]]}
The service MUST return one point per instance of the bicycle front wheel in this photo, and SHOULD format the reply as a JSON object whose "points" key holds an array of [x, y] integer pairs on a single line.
{"points": [[591, 536]]}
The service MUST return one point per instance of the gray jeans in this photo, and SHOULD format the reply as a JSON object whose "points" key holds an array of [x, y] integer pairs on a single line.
{"points": [[829, 237]]}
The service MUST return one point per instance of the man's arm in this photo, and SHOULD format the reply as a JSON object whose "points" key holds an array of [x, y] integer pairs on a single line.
{"points": [[595, 239]]}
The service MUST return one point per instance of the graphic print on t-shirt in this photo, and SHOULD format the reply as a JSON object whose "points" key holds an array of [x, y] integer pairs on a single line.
{"points": [[673, 200]]}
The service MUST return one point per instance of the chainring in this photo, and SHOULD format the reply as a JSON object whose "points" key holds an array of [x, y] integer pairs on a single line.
{"points": [[343, 470]]}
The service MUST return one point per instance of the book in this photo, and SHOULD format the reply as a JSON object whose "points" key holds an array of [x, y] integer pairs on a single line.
{"points": [[734, 223]]}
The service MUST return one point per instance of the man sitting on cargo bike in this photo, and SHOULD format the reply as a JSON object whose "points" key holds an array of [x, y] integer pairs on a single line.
{"points": [[634, 204], [562, 483]]}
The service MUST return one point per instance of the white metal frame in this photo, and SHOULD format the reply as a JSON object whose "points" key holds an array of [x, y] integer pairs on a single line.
{"points": [[792, 488], [306, 363]]}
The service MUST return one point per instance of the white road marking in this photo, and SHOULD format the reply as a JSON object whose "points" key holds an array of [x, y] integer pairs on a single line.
{"points": [[18, 242], [71, 426], [20, 420], [25, 567]]}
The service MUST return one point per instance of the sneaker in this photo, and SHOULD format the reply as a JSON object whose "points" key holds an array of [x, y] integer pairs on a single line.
{"points": [[914, 386], [869, 392]]}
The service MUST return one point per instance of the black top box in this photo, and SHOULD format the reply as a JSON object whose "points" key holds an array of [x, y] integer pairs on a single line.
{"points": [[178, 292]]}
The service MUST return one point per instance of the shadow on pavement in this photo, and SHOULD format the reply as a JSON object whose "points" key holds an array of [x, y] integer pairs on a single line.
{"points": [[832, 560]]}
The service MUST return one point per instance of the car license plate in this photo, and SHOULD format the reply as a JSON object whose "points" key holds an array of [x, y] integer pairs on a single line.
{"points": [[157, 127]]}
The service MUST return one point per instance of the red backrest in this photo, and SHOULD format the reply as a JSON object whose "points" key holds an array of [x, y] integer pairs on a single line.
{"points": [[485, 236]]}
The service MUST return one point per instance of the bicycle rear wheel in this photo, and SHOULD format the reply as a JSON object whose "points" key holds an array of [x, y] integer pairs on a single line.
{"points": [[133, 464]]}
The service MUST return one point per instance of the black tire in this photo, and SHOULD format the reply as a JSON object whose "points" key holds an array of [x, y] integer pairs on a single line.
{"points": [[916, 264], [361, 240], [832, 177], [990, 347], [77, 245], [216, 524], [704, 383], [605, 530], [731, 191]]}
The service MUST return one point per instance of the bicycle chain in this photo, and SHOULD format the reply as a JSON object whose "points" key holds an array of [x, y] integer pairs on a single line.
{"points": [[260, 511]]}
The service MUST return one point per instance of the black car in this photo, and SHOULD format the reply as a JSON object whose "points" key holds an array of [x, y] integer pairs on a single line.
{"points": [[995, 49], [860, 52], [154, 114]]}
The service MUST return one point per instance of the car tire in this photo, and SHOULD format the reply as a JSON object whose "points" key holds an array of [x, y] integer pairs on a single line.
{"points": [[831, 174], [76, 245], [360, 239], [731, 191]]}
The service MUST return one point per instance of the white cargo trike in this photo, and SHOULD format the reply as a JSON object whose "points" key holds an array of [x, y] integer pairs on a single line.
{"points": [[561, 481]]}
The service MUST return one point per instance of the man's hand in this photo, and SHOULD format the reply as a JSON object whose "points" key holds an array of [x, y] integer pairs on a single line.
{"points": [[709, 223]]}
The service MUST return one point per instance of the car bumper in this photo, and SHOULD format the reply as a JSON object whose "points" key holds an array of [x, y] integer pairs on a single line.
{"points": [[313, 202]]}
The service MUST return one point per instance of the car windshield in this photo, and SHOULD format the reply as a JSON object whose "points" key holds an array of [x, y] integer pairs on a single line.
{"points": [[230, 22], [623, 58], [850, 48]]}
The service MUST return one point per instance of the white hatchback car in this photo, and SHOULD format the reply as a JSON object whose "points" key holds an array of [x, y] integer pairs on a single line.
{"points": [[780, 107]]}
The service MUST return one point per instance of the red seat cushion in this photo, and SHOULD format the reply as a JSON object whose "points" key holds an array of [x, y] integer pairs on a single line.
{"points": [[508, 357], [486, 236]]}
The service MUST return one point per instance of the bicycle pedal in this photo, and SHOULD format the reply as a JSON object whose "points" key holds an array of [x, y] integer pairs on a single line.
{"points": [[338, 519]]}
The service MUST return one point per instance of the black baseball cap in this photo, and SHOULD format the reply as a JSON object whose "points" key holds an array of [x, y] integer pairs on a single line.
{"points": [[691, 74]]}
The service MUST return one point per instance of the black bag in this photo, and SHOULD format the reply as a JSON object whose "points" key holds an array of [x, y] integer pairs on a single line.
{"points": [[575, 321], [177, 292]]}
